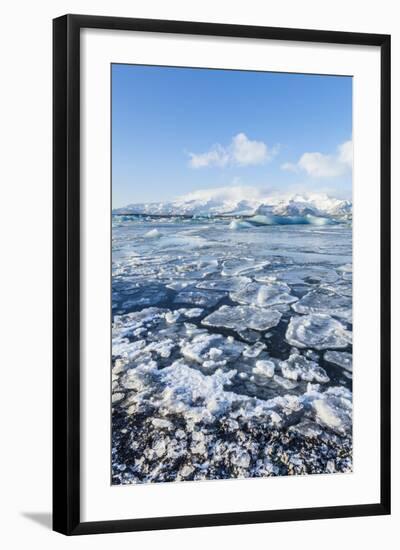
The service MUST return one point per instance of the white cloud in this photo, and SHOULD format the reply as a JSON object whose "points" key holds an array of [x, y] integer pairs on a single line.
{"points": [[234, 193], [242, 151], [345, 153], [245, 151], [318, 165], [217, 156]]}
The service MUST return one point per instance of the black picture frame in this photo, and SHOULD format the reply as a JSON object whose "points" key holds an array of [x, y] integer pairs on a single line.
{"points": [[66, 273]]}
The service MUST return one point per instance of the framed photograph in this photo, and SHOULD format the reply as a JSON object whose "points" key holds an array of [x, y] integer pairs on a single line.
{"points": [[221, 274]]}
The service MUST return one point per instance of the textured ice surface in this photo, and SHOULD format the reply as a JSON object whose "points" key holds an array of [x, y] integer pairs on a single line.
{"points": [[334, 410], [326, 301], [212, 348], [346, 271], [262, 295], [242, 266], [227, 284], [317, 331], [224, 350], [300, 274], [145, 295], [299, 367], [254, 350], [340, 358], [342, 287], [192, 423], [199, 297], [238, 317], [264, 369]]}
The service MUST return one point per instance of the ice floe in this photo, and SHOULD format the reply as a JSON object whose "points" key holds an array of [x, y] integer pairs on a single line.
{"points": [[340, 358], [298, 367], [145, 295], [242, 266], [262, 295], [238, 317], [264, 369], [322, 300], [198, 297], [317, 331], [300, 274], [212, 348], [226, 284], [334, 410]]}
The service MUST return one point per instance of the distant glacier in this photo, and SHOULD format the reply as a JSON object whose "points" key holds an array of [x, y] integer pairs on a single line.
{"points": [[258, 209]]}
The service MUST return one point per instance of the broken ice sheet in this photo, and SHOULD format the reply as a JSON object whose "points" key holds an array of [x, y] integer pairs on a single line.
{"points": [[197, 268], [126, 324], [191, 402], [237, 317]]}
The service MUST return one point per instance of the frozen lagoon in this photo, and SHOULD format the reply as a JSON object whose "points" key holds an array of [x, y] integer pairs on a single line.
{"points": [[231, 349]]}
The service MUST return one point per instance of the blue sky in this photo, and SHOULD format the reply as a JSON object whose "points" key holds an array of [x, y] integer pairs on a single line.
{"points": [[177, 130]]}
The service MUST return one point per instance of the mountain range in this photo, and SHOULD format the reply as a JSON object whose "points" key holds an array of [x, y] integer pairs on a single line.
{"points": [[248, 202]]}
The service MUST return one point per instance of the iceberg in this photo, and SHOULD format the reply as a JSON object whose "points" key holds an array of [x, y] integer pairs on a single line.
{"points": [[238, 224], [260, 219], [152, 234]]}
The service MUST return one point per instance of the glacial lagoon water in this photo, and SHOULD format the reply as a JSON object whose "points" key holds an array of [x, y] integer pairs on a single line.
{"points": [[231, 351]]}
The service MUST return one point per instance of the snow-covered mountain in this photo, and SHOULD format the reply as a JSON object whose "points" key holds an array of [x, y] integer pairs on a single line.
{"points": [[320, 205], [247, 201]]}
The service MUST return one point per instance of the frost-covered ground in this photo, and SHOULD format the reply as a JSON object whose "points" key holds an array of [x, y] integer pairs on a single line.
{"points": [[231, 349]]}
